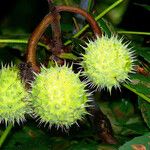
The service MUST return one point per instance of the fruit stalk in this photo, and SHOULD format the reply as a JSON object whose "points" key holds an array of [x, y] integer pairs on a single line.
{"points": [[48, 20], [5, 134]]}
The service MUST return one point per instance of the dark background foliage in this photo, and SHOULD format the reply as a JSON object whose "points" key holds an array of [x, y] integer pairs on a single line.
{"points": [[26, 14]]}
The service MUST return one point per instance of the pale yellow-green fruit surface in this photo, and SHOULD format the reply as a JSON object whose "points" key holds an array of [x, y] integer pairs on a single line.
{"points": [[13, 97], [59, 97], [107, 62]]}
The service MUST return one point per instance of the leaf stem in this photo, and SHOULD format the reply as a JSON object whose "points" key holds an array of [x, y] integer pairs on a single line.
{"points": [[134, 32], [24, 41], [94, 25], [21, 41], [108, 9], [97, 18], [139, 94], [67, 3], [89, 5], [48, 20], [5, 134]]}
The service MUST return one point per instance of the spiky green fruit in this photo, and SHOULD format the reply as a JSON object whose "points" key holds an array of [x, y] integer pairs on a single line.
{"points": [[13, 96], [107, 62], [59, 97]]}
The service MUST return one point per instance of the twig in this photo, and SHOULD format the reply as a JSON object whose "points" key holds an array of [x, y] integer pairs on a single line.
{"points": [[22, 41], [56, 29], [5, 134], [101, 124], [33, 41], [49, 19], [97, 18], [134, 32], [94, 25]]}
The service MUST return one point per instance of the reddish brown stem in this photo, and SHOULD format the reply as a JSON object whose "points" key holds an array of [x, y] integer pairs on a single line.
{"points": [[94, 25], [33, 41], [101, 124], [49, 19], [56, 30]]}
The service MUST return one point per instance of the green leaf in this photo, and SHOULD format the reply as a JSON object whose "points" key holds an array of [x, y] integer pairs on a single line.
{"points": [[140, 85], [123, 110], [28, 139], [145, 110], [83, 145], [77, 47], [144, 52], [141, 141], [147, 7], [107, 147], [68, 56], [90, 4], [130, 123], [106, 26], [137, 128], [66, 2]]}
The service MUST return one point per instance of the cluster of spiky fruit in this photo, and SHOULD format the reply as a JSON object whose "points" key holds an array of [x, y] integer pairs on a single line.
{"points": [[107, 62], [58, 97], [13, 97]]}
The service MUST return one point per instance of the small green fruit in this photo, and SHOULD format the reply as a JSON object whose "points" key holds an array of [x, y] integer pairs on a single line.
{"points": [[59, 97], [107, 62], [13, 97]]}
